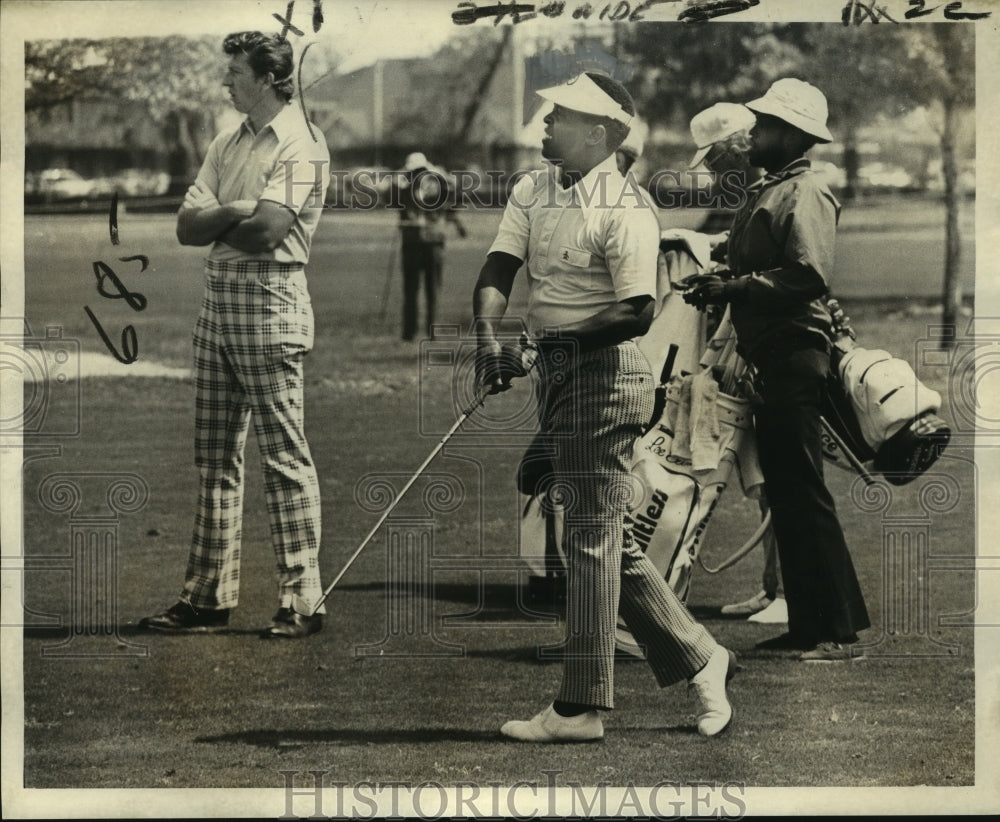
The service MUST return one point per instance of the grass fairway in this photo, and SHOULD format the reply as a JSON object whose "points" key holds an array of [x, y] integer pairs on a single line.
{"points": [[408, 681]]}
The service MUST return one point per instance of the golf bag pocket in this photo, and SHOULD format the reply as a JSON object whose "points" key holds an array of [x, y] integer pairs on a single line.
{"points": [[680, 488], [670, 519]]}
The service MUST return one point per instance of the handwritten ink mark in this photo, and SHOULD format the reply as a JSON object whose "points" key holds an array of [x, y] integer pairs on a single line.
{"points": [[142, 258], [855, 12], [130, 343], [919, 10], [302, 99], [468, 12], [951, 12], [702, 12], [136, 301], [286, 25], [104, 272], [317, 16], [113, 219]]}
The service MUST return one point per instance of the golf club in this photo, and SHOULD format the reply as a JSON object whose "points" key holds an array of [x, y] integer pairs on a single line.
{"points": [[298, 604]]}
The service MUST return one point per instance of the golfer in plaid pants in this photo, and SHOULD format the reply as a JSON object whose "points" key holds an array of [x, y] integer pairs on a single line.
{"points": [[590, 241], [257, 201]]}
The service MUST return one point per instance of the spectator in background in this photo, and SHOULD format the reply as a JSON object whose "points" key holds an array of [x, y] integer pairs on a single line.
{"points": [[424, 196]]}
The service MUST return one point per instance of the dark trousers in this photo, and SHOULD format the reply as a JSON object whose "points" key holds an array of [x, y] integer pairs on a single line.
{"points": [[420, 261], [821, 588]]}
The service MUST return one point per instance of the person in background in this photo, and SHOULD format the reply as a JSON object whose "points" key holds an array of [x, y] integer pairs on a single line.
{"points": [[722, 136], [423, 197]]}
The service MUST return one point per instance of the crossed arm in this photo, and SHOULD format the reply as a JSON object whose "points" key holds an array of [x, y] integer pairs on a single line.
{"points": [[253, 226]]}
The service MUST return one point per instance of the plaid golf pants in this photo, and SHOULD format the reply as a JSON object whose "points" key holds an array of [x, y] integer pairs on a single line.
{"points": [[592, 411], [250, 340]]}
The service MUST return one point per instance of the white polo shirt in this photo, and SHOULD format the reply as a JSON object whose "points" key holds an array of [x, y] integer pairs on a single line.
{"points": [[282, 162], [586, 247]]}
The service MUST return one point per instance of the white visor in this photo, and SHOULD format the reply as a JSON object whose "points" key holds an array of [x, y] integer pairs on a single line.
{"points": [[584, 95]]}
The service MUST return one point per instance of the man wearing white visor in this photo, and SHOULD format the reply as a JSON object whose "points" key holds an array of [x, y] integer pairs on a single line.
{"points": [[780, 254], [589, 242]]}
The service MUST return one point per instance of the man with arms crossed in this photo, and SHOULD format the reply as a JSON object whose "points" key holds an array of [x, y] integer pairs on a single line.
{"points": [[590, 243], [256, 201]]}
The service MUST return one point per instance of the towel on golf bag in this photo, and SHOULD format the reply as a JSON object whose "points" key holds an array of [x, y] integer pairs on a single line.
{"points": [[682, 254], [684, 463]]}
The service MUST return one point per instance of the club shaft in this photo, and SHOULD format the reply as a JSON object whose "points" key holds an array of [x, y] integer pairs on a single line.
{"points": [[867, 477], [385, 515]]}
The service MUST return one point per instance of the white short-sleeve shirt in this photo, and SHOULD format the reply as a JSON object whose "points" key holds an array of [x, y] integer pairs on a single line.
{"points": [[283, 162], [586, 247]]}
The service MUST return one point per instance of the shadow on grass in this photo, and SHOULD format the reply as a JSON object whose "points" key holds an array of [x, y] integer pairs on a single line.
{"points": [[283, 740], [486, 601], [290, 738]]}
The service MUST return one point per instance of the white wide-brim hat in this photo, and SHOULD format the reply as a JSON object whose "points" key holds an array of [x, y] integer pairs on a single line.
{"points": [[415, 160], [584, 95], [797, 103], [717, 123]]}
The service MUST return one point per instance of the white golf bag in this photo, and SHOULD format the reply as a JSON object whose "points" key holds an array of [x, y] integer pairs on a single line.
{"points": [[880, 417]]}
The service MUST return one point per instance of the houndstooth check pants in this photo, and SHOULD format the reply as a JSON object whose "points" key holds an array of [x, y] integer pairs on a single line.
{"points": [[253, 332], [592, 410]]}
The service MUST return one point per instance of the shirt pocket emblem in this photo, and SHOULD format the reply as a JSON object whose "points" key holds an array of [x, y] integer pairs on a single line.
{"points": [[576, 257]]}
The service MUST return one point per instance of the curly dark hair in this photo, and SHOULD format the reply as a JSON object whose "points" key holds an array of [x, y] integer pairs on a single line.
{"points": [[265, 53], [617, 132]]}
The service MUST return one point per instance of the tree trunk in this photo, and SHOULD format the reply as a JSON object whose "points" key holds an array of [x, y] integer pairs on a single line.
{"points": [[852, 163], [186, 154], [951, 298]]}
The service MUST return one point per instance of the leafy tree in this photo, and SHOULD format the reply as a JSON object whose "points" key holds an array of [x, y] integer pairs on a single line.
{"points": [[177, 79], [942, 76], [683, 69], [861, 70]]}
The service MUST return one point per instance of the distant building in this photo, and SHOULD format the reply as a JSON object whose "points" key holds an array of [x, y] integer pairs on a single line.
{"points": [[376, 115], [95, 137], [101, 137]]}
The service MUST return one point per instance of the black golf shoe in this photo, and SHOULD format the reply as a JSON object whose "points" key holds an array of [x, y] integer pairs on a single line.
{"points": [[184, 618], [286, 624]]}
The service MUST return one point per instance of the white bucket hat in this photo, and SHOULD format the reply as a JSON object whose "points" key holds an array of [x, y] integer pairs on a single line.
{"points": [[717, 123], [415, 160], [797, 103], [584, 95]]}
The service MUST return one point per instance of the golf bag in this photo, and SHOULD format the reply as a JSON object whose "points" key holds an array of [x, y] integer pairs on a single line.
{"points": [[882, 414]]}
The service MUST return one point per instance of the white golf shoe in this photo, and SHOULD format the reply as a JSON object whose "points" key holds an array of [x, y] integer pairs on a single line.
{"points": [[748, 607], [710, 686], [548, 726]]}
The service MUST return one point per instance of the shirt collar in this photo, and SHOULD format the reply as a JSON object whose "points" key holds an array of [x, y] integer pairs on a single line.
{"points": [[280, 124], [793, 169]]}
